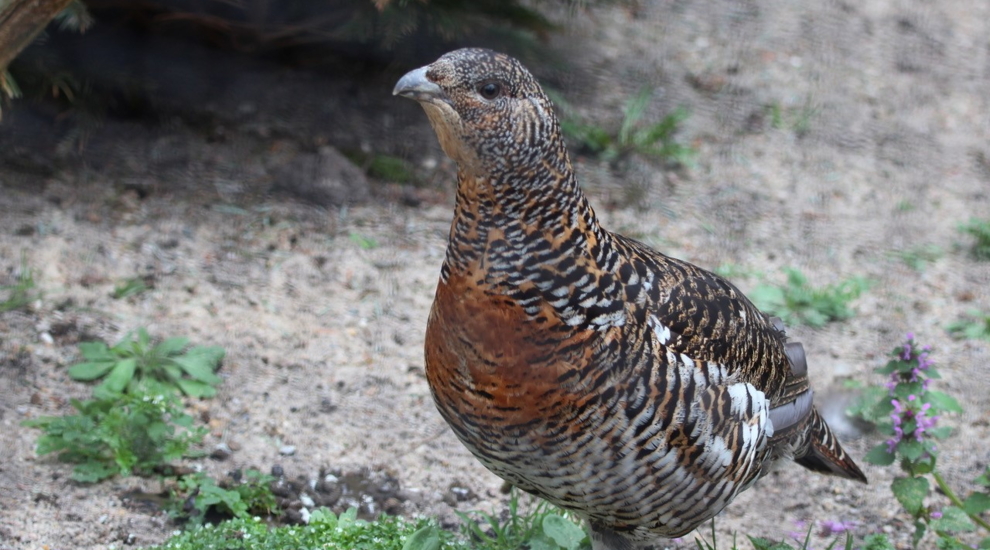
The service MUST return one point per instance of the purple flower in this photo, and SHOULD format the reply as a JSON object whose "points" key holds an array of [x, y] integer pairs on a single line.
{"points": [[898, 409], [830, 528], [801, 532], [936, 514]]}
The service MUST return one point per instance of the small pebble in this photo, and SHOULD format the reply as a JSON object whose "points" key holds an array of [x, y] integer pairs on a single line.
{"points": [[306, 500], [221, 452], [287, 450]]}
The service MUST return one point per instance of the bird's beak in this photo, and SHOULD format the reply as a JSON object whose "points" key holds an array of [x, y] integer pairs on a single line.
{"points": [[415, 85]]}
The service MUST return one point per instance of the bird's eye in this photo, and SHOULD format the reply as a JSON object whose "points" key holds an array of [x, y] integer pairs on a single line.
{"points": [[490, 90]]}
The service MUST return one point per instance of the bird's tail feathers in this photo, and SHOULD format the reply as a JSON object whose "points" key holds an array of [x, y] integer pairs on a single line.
{"points": [[825, 455]]}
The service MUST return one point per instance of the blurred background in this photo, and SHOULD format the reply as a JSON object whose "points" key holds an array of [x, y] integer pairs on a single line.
{"points": [[238, 172]]}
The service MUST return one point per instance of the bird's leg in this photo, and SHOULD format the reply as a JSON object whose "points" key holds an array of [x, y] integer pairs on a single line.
{"points": [[603, 538]]}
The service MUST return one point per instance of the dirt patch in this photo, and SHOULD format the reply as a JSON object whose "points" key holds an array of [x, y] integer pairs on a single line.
{"points": [[832, 138]]}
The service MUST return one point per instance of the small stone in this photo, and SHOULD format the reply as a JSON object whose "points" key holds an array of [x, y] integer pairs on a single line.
{"points": [[327, 406], [306, 500], [287, 450], [46, 338], [221, 452], [392, 506], [277, 471], [294, 517]]}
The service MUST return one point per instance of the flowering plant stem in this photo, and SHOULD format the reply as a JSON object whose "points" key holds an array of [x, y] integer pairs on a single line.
{"points": [[956, 500]]}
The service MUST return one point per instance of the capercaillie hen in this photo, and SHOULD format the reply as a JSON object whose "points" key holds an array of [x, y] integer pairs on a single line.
{"points": [[640, 391]]}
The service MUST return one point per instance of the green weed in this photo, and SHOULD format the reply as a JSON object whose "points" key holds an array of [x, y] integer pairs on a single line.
{"points": [[799, 303], [324, 530], [250, 496], [735, 271], [918, 257], [21, 293], [364, 242], [797, 119], [979, 230], [119, 434], [974, 326], [541, 527], [632, 137], [137, 365], [130, 287]]}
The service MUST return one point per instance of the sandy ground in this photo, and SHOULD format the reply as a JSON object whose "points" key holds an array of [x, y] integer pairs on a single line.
{"points": [[879, 146]]}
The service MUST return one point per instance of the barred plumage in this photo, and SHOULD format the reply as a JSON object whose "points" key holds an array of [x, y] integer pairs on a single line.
{"points": [[638, 390]]}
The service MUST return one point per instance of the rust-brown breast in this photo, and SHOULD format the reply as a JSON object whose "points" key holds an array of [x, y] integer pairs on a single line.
{"points": [[486, 356]]}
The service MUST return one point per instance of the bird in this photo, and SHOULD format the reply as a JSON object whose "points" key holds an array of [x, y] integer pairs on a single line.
{"points": [[639, 391]]}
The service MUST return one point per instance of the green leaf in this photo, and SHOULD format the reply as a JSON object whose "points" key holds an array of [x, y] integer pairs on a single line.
{"points": [[976, 503], [767, 544], [947, 542], [96, 351], [920, 528], [540, 541], [985, 544], [868, 403], [904, 390], [426, 538], [121, 374], [171, 346], [940, 432], [347, 518], [953, 519], [198, 368], [195, 388], [911, 493], [879, 456], [144, 339], [919, 467], [911, 449], [633, 112], [92, 472], [324, 516], [877, 542], [943, 402], [211, 354], [563, 531], [90, 370]]}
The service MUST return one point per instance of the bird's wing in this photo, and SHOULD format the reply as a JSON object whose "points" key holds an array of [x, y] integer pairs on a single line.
{"points": [[701, 315], [704, 316]]}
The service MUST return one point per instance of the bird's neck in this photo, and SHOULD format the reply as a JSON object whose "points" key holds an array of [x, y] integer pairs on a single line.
{"points": [[510, 222]]}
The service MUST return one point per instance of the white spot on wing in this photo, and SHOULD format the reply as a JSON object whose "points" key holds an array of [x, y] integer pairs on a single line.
{"points": [[660, 329]]}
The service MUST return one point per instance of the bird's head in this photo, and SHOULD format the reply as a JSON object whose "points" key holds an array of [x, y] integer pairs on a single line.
{"points": [[488, 111]]}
